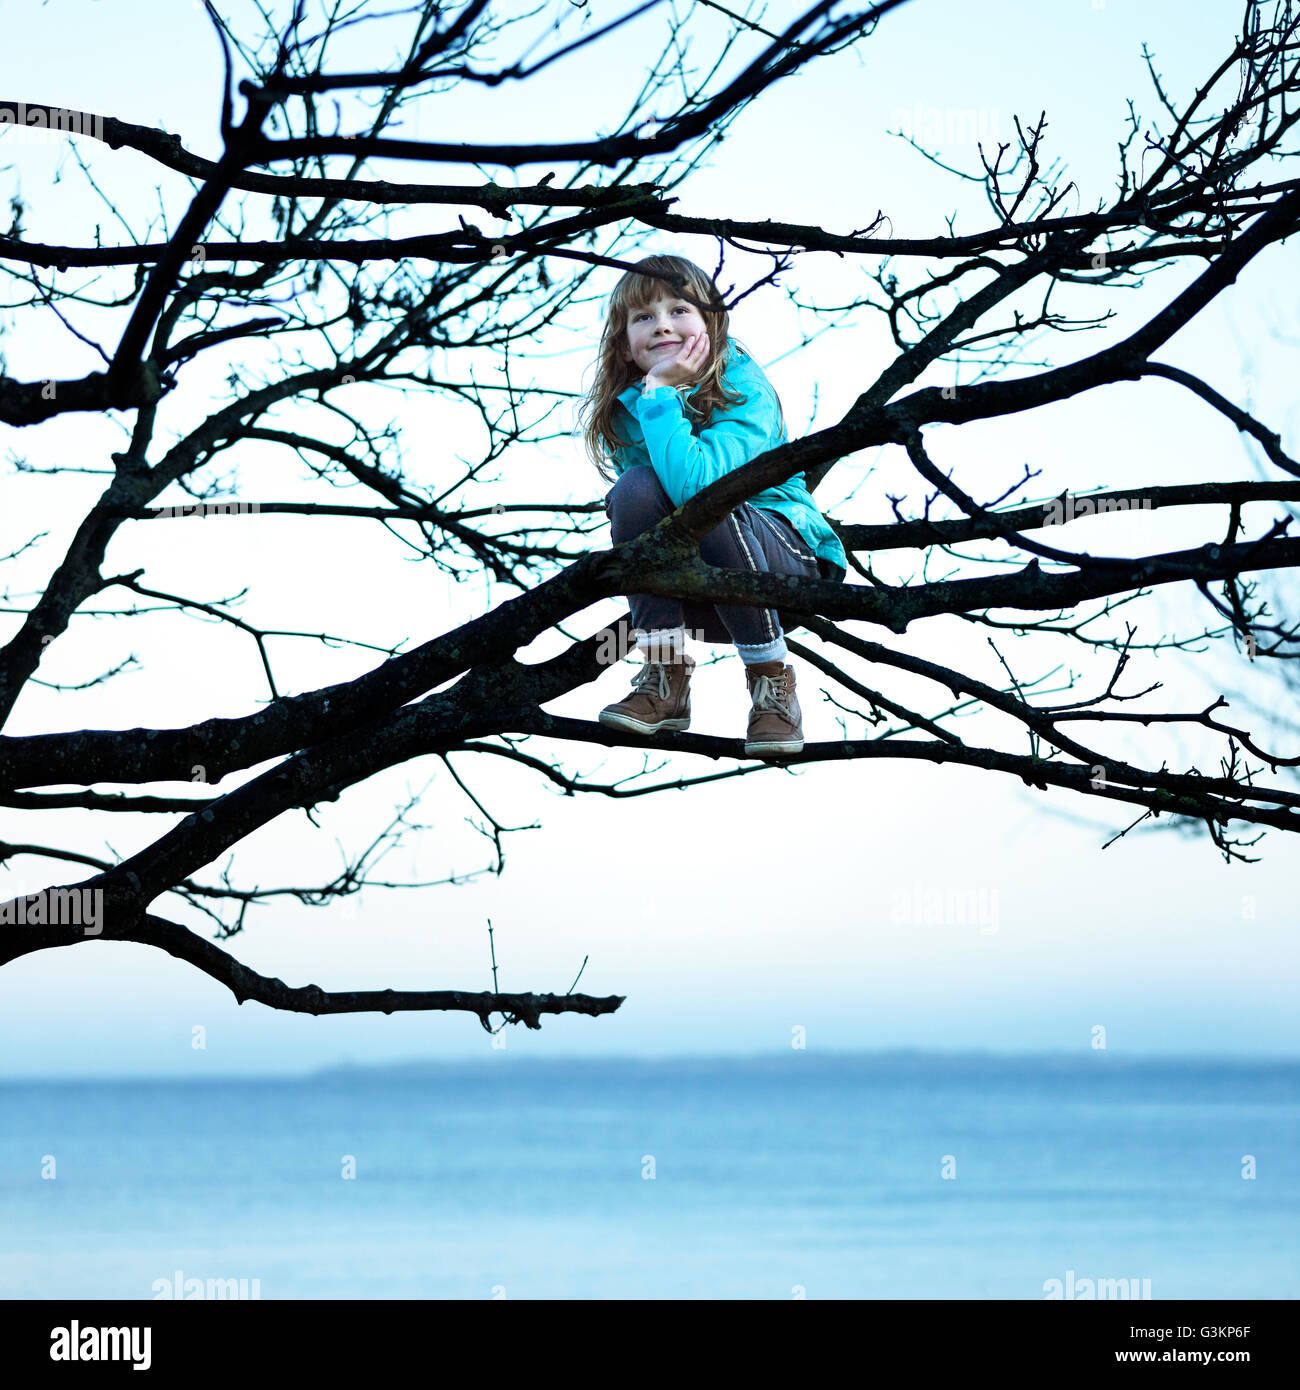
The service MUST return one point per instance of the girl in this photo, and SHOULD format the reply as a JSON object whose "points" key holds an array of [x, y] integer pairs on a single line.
{"points": [[675, 404]]}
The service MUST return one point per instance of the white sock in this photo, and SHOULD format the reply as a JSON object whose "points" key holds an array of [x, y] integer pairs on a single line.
{"points": [[662, 643], [769, 651]]}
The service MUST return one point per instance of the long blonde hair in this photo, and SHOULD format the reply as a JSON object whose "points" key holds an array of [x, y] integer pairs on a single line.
{"points": [[614, 374]]}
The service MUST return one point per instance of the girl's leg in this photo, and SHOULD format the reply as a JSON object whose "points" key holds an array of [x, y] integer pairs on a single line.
{"points": [[749, 539], [768, 543], [637, 502]]}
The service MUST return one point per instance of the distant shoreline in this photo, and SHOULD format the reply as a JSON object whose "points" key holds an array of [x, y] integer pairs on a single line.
{"points": [[820, 1061]]}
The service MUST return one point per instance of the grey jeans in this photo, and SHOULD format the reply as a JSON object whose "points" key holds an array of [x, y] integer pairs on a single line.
{"points": [[748, 538]]}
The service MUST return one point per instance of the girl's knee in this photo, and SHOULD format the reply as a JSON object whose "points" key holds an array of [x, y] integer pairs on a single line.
{"points": [[637, 495]]}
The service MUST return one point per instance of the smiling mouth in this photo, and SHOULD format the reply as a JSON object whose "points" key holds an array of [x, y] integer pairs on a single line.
{"points": [[657, 346]]}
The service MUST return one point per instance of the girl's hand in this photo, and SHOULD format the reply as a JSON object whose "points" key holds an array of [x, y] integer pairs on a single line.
{"points": [[683, 368]]}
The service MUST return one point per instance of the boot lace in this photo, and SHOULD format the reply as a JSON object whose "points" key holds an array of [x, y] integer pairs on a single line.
{"points": [[655, 672], [770, 693]]}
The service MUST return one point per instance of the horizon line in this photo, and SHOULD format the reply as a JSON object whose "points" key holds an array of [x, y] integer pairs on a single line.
{"points": [[348, 1065]]}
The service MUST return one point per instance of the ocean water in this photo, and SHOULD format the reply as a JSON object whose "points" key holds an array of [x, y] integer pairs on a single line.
{"points": [[871, 1176]]}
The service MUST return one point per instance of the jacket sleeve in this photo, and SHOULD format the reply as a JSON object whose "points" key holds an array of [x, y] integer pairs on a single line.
{"points": [[625, 456], [687, 463]]}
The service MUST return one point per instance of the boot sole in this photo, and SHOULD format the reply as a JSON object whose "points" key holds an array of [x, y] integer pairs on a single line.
{"points": [[636, 726], [770, 750]]}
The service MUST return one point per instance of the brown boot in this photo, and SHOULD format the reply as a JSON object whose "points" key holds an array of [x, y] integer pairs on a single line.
{"points": [[660, 699], [775, 722]]}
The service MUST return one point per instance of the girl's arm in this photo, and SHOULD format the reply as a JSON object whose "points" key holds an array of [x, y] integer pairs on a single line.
{"points": [[686, 463], [625, 456]]}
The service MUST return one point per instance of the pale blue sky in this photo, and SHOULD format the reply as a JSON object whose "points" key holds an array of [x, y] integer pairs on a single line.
{"points": [[734, 914]]}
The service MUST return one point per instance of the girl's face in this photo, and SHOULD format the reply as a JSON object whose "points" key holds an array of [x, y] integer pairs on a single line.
{"points": [[658, 332]]}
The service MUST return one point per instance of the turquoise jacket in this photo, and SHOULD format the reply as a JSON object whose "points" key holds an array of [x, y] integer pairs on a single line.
{"points": [[687, 459]]}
